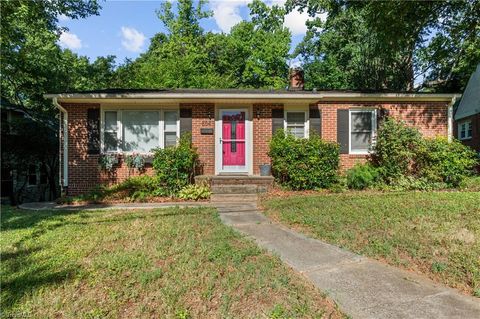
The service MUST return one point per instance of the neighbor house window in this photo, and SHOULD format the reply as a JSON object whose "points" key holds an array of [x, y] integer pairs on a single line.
{"points": [[465, 130], [295, 123], [139, 131], [362, 130]]}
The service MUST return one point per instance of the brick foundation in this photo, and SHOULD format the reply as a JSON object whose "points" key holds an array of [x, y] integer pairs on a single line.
{"points": [[84, 173]]}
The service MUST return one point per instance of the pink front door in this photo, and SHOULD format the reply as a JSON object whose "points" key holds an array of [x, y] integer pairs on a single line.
{"points": [[233, 139]]}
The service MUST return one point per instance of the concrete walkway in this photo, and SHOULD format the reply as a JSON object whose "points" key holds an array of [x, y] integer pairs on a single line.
{"points": [[363, 288]]}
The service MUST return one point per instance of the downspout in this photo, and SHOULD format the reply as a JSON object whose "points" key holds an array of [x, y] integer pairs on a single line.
{"points": [[64, 183], [450, 118]]}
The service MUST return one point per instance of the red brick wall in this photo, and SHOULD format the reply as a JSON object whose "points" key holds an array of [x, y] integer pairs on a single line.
{"points": [[430, 118], [84, 173], [203, 116], [474, 142], [262, 134]]}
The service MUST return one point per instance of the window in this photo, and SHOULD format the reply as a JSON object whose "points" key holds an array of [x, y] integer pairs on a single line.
{"points": [[362, 130], [465, 130], [32, 175], [139, 131], [295, 123], [170, 128], [110, 131]]}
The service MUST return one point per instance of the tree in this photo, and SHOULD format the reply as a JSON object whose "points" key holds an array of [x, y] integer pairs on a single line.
{"points": [[390, 44], [30, 54], [253, 55]]}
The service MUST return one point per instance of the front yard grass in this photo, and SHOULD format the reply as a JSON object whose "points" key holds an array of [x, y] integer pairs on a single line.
{"points": [[171, 263], [435, 233]]}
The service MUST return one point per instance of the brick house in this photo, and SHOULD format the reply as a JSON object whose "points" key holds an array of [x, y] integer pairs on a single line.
{"points": [[230, 128], [467, 114]]}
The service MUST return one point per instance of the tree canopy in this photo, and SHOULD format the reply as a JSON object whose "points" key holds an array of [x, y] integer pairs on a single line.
{"points": [[254, 54], [391, 45]]}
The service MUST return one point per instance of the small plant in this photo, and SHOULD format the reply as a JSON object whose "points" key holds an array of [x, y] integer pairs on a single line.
{"points": [[476, 292], [362, 176], [438, 267], [108, 162], [195, 192], [135, 161]]}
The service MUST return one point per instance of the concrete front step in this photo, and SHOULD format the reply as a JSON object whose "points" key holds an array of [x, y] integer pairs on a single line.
{"points": [[263, 183], [234, 198], [237, 189]]}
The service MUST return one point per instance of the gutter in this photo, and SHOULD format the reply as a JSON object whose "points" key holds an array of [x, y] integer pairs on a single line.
{"points": [[64, 183], [327, 96]]}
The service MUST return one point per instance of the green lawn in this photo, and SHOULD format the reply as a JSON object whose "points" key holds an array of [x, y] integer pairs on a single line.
{"points": [[435, 233], [171, 263]]}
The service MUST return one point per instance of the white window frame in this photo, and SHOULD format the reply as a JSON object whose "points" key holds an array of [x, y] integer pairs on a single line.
{"points": [[306, 124], [161, 128], [374, 130], [467, 125]]}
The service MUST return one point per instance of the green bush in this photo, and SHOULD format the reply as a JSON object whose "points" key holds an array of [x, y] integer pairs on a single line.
{"points": [[136, 188], [395, 150], [175, 165], [301, 164], [445, 162], [406, 160], [362, 176], [195, 192]]}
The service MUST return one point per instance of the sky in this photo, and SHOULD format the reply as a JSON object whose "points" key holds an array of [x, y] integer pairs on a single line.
{"points": [[124, 28]]}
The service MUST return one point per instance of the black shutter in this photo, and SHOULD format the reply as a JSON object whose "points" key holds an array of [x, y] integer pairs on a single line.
{"points": [[93, 129], [185, 121], [277, 120], [315, 122], [343, 130]]}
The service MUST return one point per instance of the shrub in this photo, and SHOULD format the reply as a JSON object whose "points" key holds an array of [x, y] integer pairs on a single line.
{"points": [[395, 149], [301, 164], [175, 165], [195, 192], [136, 188], [362, 176], [406, 160], [446, 162]]}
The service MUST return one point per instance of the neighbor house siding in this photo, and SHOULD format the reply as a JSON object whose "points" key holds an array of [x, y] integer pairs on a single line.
{"points": [[473, 142]]}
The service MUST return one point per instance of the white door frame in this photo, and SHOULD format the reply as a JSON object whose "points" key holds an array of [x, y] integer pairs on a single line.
{"points": [[248, 142]]}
